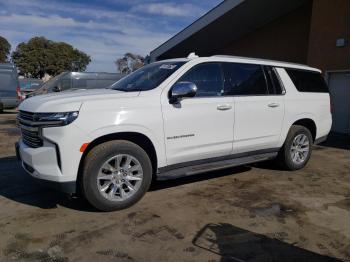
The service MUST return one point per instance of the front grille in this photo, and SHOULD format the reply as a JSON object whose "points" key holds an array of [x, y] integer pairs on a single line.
{"points": [[31, 137], [30, 132]]}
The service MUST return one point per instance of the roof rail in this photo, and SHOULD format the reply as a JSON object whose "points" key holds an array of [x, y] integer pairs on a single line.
{"points": [[261, 59]]}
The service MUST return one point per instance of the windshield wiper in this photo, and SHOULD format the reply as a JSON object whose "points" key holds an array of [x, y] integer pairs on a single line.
{"points": [[128, 90]]}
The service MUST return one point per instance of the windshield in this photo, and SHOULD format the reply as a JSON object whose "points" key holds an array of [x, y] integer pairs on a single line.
{"points": [[51, 83], [147, 77]]}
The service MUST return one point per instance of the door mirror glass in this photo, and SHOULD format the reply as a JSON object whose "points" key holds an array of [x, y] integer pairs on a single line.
{"points": [[181, 90]]}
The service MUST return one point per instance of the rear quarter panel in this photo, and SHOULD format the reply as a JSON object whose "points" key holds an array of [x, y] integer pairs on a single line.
{"points": [[299, 105]]}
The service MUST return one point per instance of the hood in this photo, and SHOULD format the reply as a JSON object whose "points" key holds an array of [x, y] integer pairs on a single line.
{"points": [[70, 101]]}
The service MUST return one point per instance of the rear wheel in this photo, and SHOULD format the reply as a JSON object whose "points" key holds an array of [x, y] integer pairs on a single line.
{"points": [[297, 148], [116, 175]]}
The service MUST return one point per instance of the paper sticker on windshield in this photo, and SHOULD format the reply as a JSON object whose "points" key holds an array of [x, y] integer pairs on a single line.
{"points": [[166, 66]]}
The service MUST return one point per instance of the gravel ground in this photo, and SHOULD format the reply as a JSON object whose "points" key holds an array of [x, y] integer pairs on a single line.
{"points": [[250, 213]]}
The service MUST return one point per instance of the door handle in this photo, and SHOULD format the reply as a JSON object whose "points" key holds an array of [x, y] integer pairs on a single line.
{"points": [[224, 107], [274, 105]]}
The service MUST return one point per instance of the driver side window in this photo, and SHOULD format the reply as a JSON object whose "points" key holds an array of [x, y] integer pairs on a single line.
{"points": [[208, 79]]}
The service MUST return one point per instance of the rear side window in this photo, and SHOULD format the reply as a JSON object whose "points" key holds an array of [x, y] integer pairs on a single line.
{"points": [[7, 81], [308, 81], [244, 79], [274, 84], [208, 79]]}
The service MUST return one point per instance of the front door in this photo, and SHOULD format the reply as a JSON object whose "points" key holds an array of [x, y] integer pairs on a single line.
{"points": [[200, 127]]}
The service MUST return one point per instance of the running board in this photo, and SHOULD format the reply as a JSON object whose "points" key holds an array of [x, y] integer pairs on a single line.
{"points": [[213, 166]]}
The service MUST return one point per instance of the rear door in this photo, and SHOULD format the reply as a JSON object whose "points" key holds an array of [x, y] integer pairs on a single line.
{"points": [[259, 106]]}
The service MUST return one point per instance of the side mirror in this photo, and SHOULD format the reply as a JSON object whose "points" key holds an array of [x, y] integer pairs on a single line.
{"points": [[56, 89], [181, 90]]}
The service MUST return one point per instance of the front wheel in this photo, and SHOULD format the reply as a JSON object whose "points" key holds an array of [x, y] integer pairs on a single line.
{"points": [[116, 175], [297, 148]]}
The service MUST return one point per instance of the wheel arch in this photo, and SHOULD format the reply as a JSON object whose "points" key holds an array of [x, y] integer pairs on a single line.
{"points": [[138, 138], [309, 124]]}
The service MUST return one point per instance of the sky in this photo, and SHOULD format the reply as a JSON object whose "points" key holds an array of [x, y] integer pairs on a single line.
{"points": [[104, 29]]}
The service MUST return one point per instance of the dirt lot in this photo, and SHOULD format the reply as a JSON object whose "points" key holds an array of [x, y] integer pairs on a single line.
{"points": [[251, 213]]}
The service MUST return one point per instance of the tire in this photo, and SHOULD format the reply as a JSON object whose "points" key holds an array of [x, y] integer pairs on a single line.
{"points": [[286, 154], [102, 161]]}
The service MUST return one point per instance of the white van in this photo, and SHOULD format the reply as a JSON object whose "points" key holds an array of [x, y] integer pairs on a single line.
{"points": [[170, 118], [9, 87], [77, 80]]}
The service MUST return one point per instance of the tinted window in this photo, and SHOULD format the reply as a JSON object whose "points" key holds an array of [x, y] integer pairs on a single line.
{"points": [[147, 77], [79, 83], [308, 81], [244, 79], [65, 84], [7, 81], [273, 81], [61, 83], [49, 85], [92, 83], [208, 79]]}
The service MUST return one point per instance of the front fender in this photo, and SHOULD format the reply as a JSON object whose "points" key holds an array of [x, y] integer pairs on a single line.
{"points": [[114, 129]]}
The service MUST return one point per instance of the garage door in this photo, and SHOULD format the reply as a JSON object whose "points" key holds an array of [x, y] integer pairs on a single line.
{"points": [[339, 86]]}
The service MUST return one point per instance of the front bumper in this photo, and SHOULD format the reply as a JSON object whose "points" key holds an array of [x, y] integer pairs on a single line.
{"points": [[41, 163]]}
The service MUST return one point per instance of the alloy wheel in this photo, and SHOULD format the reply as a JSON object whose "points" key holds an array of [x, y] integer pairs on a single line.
{"points": [[120, 177], [300, 149]]}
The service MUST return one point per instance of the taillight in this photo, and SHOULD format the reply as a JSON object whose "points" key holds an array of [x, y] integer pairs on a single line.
{"points": [[18, 91]]}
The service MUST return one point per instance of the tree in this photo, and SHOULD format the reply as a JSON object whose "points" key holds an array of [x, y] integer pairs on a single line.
{"points": [[129, 63], [5, 48], [41, 56]]}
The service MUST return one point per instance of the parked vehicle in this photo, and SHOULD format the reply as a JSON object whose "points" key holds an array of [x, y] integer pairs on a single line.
{"points": [[9, 87], [170, 118], [78, 80], [29, 85]]}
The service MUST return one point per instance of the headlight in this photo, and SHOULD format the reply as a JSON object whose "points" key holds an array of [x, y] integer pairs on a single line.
{"points": [[56, 119]]}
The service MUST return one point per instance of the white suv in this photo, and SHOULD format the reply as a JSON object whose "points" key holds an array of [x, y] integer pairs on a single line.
{"points": [[170, 118]]}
